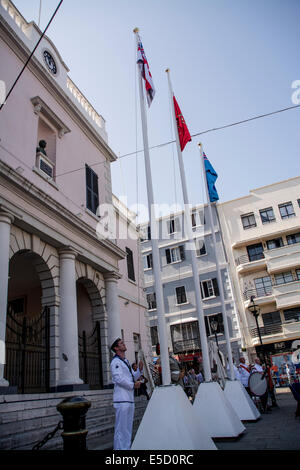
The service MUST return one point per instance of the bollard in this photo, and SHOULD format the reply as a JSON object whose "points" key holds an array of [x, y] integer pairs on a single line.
{"points": [[73, 411]]}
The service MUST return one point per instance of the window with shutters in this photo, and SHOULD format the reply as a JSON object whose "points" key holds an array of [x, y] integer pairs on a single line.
{"points": [[148, 261], [174, 255], [181, 295], [92, 195], [151, 299], [130, 264], [209, 288], [200, 247], [173, 225], [154, 335]]}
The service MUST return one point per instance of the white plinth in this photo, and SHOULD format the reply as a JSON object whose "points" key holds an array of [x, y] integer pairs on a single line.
{"points": [[241, 401], [170, 424], [216, 413]]}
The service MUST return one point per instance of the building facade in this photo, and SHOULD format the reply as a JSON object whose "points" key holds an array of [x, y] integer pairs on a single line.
{"points": [[178, 284], [262, 238], [63, 285]]}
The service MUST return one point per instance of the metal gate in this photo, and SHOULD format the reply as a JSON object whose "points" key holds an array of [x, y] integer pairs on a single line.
{"points": [[90, 360], [28, 352]]}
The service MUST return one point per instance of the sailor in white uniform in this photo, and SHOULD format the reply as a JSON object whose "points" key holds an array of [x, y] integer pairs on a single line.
{"points": [[125, 381]]}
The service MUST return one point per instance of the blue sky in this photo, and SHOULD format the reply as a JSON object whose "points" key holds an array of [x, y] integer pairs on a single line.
{"points": [[229, 60]]}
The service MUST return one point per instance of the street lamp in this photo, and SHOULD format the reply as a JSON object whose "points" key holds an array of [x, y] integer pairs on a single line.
{"points": [[255, 310]]}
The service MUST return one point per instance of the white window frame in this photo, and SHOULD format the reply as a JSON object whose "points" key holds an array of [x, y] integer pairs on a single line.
{"points": [[183, 303], [212, 288], [198, 254]]}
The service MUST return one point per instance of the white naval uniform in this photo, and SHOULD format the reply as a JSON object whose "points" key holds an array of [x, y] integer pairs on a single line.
{"points": [[244, 374], [123, 378]]}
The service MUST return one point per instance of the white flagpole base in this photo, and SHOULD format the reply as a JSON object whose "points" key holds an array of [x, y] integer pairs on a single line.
{"points": [[169, 423], [240, 400], [216, 413]]}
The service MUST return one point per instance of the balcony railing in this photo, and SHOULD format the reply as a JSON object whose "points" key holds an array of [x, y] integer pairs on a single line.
{"points": [[265, 291], [268, 330], [245, 258], [186, 345]]}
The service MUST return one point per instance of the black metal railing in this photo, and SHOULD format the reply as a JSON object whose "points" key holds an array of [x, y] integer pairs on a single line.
{"points": [[268, 290], [28, 351], [246, 259], [267, 330], [186, 345], [90, 357]]}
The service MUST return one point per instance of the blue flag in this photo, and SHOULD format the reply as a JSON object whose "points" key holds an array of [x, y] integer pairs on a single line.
{"points": [[211, 177]]}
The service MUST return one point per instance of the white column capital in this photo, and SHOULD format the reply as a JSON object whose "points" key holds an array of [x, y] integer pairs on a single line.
{"points": [[67, 252], [6, 217], [113, 276]]}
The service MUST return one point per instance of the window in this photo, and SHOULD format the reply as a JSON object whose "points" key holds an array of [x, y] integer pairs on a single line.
{"points": [[298, 274], [248, 221], [286, 210], [151, 299], [145, 233], [92, 195], [136, 345], [200, 247], [209, 288], [292, 314], [255, 252], [263, 286], [283, 278], [185, 337], [197, 218], [275, 243], [267, 215], [181, 295], [219, 319], [175, 254], [154, 335], [130, 264], [148, 261], [173, 225], [271, 318], [294, 238]]}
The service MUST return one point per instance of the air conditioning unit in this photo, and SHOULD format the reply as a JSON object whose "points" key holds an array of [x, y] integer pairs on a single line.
{"points": [[45, 165]]}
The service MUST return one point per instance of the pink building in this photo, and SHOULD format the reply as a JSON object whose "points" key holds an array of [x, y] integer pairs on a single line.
{"points": [[65, 291]]}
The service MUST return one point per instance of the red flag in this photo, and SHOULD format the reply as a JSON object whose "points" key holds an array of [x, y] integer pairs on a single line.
{"points": [[183, 132]]}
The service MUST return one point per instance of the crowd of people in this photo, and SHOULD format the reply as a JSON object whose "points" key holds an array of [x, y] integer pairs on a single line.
{"points": [[129, 381]]}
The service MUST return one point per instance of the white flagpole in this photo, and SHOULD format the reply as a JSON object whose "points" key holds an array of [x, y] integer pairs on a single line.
{"points": [[161, 322], [188, 224], [225, 321]]}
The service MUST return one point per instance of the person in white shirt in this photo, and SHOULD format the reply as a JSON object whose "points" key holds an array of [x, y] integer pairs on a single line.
{"points": [[264, 398], [257, 365], [244, 372], [125, 381]]}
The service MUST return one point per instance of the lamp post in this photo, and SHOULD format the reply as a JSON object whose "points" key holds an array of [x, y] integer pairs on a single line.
{"points": [[255, 310]]}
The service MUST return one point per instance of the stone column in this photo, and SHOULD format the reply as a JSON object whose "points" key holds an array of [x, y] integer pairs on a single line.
{"points": [[112, 306], [6, 220], [68, 326]]}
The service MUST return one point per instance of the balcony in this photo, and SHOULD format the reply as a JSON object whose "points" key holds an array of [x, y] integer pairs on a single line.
{"points": [[283, 258], [186, 345], [277, 259], [287, 295], [268, 330]]}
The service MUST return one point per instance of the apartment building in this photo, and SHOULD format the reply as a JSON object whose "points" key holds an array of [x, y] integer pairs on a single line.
{"points": [[262, 237], [178, 284]]}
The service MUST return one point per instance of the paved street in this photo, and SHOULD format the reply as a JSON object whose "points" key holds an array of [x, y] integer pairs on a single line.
{"points": [[276, 430]]}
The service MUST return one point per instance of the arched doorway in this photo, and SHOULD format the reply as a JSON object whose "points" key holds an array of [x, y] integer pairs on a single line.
{"points": [[89, 309], [28, 323]]}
